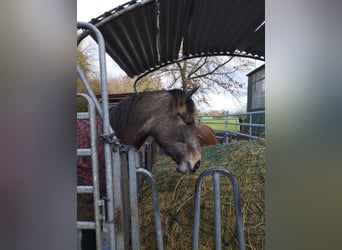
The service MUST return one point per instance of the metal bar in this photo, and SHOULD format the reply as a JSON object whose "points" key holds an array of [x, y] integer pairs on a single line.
{"points": [[85, 224], [106, 129], [250, 124], [126, 208], [236, 114], [85, 189], [156, 209], [118, 206], [237, 133], [226, 122], [83, 152], [236, 123], [96, 179], [88, 88], [95, 170], [217, 210], [133, 164], [250, 128], [82, 115], [197, 203]]}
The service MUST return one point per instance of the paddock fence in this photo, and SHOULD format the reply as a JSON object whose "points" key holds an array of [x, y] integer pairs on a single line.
{"points": [[236, 126]]}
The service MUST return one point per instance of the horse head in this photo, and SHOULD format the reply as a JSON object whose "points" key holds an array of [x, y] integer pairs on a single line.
{"points": [[178, 140], [167, 116]]}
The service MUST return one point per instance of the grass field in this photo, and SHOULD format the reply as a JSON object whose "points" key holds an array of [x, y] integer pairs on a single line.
{"points": [[222, 125]]}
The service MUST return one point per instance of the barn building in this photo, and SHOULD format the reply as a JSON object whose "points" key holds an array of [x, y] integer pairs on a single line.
{"points": [[256, 97]]}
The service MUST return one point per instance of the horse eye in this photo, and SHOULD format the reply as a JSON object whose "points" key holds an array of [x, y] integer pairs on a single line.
{"points": [[189, 123]]}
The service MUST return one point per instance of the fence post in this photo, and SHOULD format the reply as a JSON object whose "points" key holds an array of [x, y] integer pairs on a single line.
{"points": [[250, 127], [227, 139], [199, 120]]}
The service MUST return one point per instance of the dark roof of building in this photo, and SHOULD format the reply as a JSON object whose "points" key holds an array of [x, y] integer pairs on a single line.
{"points": [[141, 36]]}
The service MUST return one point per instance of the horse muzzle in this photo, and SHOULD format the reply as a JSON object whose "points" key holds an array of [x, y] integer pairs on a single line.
{"points": [[186, 167]]}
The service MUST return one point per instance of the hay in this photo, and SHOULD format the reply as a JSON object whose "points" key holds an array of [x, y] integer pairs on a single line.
{"points": [[246, 160]]}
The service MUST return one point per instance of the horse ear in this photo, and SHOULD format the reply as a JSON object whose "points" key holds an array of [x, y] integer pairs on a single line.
{"points": [[191, 92]]}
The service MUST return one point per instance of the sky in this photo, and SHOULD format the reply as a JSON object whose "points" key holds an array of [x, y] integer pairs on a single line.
{"points": [[88, 9]]}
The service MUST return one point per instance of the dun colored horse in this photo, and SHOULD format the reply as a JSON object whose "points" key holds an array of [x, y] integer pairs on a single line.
{"points": [[166, 116], [206, 135]]}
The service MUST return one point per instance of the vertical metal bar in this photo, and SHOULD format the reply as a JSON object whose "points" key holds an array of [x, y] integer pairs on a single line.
{"points": [[250, 127], [118, 206], [238, 213], [96, 179], [106, 128], [95, 170], [133, 164], [217, 210], [126, 208], [227, 139], [156, 209]]}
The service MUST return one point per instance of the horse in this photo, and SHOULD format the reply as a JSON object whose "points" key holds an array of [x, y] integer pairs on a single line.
{"points": [[167, 116], [206, 135]]}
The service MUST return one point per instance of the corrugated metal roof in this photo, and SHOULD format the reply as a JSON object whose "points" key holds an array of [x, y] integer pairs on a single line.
{"points": [[143, 35]]}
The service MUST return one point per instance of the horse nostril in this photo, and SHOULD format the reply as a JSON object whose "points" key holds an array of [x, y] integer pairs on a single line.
{"points": [[197, 165]]}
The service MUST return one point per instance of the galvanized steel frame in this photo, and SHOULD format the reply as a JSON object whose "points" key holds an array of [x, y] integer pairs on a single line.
{"points": [[106, 130], [114, 192], [95, 188]]}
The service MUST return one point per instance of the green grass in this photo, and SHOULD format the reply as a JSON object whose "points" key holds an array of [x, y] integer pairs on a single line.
{"points": [[232, 127]]}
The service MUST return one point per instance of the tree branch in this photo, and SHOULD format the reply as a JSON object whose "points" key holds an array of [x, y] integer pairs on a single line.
{"points": [[216, 68]]}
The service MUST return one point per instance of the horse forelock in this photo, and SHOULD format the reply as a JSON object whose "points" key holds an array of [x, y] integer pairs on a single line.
{"points": [[182, 105]]}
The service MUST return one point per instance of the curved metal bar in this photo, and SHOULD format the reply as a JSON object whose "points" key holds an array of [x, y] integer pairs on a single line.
{"points": [[197, 203], [156, 209], [107, 130], [89, 90]]}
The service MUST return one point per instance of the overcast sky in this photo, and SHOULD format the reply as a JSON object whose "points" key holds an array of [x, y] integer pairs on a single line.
{"points": [[88, 9]]}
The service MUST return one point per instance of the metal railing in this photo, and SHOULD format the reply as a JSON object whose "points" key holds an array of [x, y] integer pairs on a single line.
{"points": [[95, 187], [230, 119]]}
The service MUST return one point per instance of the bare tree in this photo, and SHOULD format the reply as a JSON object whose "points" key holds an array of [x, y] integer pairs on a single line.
{"points": [[84, 59], [216, 74], [124, 84]]}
